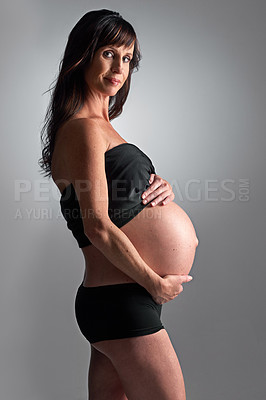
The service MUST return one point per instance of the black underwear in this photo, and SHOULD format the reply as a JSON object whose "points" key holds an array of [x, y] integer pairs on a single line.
{"points": [[116, 311]]}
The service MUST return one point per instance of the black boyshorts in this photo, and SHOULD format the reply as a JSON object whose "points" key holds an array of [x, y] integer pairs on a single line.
{"points": [[116, 311]]}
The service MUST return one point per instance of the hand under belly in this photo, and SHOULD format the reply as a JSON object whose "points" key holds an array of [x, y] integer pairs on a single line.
{"points": [[164, 237]]}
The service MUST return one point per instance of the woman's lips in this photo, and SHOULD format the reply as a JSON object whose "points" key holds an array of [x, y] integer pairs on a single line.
{"points": [[113, 81]]}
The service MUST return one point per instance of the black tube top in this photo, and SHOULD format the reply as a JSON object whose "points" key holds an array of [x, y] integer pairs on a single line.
{"points": [[128, 171]]}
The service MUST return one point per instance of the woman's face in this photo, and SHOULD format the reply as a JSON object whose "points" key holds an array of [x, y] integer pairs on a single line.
{"points": [[109, 69]]}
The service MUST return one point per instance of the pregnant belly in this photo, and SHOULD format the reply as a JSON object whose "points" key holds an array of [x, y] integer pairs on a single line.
{"points": [[164, 237]]}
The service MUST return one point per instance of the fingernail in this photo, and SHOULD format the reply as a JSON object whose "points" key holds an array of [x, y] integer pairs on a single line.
{"points": [[144, 201], [190, 277]]}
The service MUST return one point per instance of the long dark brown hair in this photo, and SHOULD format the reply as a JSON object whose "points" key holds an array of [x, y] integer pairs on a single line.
{"points": [[95, 29]]}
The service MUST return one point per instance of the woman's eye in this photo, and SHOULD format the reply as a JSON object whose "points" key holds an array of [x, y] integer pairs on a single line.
{"points": [[107, 52], [110, 54]]}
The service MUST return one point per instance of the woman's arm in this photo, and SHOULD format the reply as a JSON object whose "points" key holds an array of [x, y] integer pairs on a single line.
{"points": [[117, 248]]}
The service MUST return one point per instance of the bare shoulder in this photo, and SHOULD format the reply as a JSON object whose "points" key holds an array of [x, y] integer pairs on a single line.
{"points": [[85, 164], [84, 130], [84, 143], [79, 144]]}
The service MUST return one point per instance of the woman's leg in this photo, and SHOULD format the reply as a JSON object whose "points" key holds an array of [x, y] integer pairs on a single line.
{"points": [[104, 382], [147, 366]]}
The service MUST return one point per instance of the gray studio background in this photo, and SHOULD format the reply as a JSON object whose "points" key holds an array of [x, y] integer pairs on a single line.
{"points": [[197, 107]]}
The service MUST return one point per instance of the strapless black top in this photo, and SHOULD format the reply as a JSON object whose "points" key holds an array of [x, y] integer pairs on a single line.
{"points": [[128, 171]]}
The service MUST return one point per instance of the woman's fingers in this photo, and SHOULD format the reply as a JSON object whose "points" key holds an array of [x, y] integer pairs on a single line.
{"points": [[179, 279], [172, 288], [160, 191], [186, 278]]}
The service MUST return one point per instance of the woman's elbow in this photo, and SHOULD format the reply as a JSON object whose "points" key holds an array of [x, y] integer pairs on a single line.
{"points": [[95, 230]]}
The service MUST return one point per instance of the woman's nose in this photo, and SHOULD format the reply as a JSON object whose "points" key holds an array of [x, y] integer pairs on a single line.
{"points": [[117, 66]]}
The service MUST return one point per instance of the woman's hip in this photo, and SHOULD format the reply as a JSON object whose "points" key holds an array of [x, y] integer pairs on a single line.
{"points": [[116, 311]]}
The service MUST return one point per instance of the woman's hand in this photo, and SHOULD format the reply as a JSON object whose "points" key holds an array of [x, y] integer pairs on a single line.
{"points": [[160, 191], [170, 286]]}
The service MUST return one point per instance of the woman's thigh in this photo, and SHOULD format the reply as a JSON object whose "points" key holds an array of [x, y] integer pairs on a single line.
{"points": [[147, 366], [103, 379]]}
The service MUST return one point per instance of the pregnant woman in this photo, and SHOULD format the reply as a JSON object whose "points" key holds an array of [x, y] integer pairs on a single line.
{"points": [[137, 255]]}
